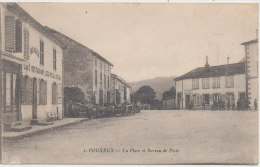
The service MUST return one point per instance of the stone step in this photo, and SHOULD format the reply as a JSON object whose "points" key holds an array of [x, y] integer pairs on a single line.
{"points": [[21, 128], [45, 123]]}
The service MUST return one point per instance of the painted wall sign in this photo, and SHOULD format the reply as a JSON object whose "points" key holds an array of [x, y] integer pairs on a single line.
{"points": [[41, 71], [34, 50]]}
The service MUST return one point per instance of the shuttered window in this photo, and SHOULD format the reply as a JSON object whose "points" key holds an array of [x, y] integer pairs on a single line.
{"points": [[108, 82], [195, 83], [27, 88], [43, 92], [216, 82], [54, 60], [10, 33], [96, 78], [26, 44], [18, 35], [105, 81], [13, 34], [101, 80], [54, 93], [230, 81], [41, 52]]}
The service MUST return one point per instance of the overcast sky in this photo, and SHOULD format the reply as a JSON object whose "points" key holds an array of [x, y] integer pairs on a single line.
{"points": [[154, 40]]}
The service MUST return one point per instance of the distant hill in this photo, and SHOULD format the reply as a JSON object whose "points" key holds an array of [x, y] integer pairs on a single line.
{"points": [[159, 84]]}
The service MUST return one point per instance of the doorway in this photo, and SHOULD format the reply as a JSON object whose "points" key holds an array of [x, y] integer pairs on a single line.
{"points": [[34, 99], [100, 97], [187, 101]]}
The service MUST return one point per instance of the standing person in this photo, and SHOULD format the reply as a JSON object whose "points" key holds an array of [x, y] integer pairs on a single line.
{"points": [[238, 104], [233, 105], [255, 104], [203, 104]]}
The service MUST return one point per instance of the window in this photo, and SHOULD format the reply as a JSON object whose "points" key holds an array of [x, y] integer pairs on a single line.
{"points": [[101, 80], [54, 93], [95, 62], [8, 89], [194, 99], [26, 44], [101, 66], [230, 81], [205, 83], [43, 92], [195, 83], [54, 60], [105, 81], [18, 35], [41, 52], [13, 34], [96, 78], [216, 82], [206, 98], [27, 88], [108, 82]]}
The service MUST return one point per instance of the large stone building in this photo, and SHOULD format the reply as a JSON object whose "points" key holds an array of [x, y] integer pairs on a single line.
{"points": [[120, 90], [204, 85], [251, 58], [31, 68], [85, 69]]}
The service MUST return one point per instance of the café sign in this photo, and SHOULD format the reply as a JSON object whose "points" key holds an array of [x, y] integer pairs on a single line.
{"points": [[41, 71]]}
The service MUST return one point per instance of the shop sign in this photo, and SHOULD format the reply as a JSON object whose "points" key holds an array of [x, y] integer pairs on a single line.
{"points": [[41, 71]]}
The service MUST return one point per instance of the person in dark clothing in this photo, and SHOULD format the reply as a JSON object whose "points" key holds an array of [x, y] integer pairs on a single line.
{"points": [[238, 104]]}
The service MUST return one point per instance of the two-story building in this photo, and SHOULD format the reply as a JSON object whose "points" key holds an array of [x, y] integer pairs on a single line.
{"points": [[251, 58], [204, 85], [120, 90], [85, 69], [31, 68]]}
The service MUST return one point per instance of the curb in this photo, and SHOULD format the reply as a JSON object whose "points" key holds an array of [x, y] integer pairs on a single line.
{"points": [[29, 134]]}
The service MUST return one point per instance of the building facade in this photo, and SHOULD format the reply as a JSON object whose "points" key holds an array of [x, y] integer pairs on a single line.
{"points": [[85, 69], [31, 69], [251, 58], [205, 85], [120, 90]]}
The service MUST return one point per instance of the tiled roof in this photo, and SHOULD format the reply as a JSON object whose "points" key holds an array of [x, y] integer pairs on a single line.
{"points": [[68, 41], [121, 79], [212, 71], [15, 9]]}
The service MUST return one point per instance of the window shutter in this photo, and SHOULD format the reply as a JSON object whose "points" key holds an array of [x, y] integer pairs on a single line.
{"points": [[9, 33], [23, 90], [31, 91], [26, 44], [45, 92], [18, 35]]}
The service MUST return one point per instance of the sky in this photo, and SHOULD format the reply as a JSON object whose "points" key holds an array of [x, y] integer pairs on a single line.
{"points": [[148, 40]]}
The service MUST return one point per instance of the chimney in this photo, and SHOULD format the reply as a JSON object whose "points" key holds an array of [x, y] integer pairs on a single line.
{"points": [[227, 60], [207, 64]]}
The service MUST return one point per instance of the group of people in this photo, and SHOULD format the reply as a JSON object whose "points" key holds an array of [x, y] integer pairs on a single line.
{"points": [[242, 104], [98, 111]]}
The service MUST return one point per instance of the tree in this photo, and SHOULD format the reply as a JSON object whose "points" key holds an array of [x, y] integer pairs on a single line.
{"points": [[145, 94], [74, 94], [169, 94]]}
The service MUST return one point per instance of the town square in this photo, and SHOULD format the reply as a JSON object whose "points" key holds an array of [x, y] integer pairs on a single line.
{"points": [[129, 83]]}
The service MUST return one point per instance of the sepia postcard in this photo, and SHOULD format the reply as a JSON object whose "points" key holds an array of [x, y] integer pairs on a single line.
{"points": [[129, 83]]}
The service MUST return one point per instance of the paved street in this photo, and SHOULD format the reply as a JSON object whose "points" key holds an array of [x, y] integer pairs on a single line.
{"points": [[186, 136]]}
